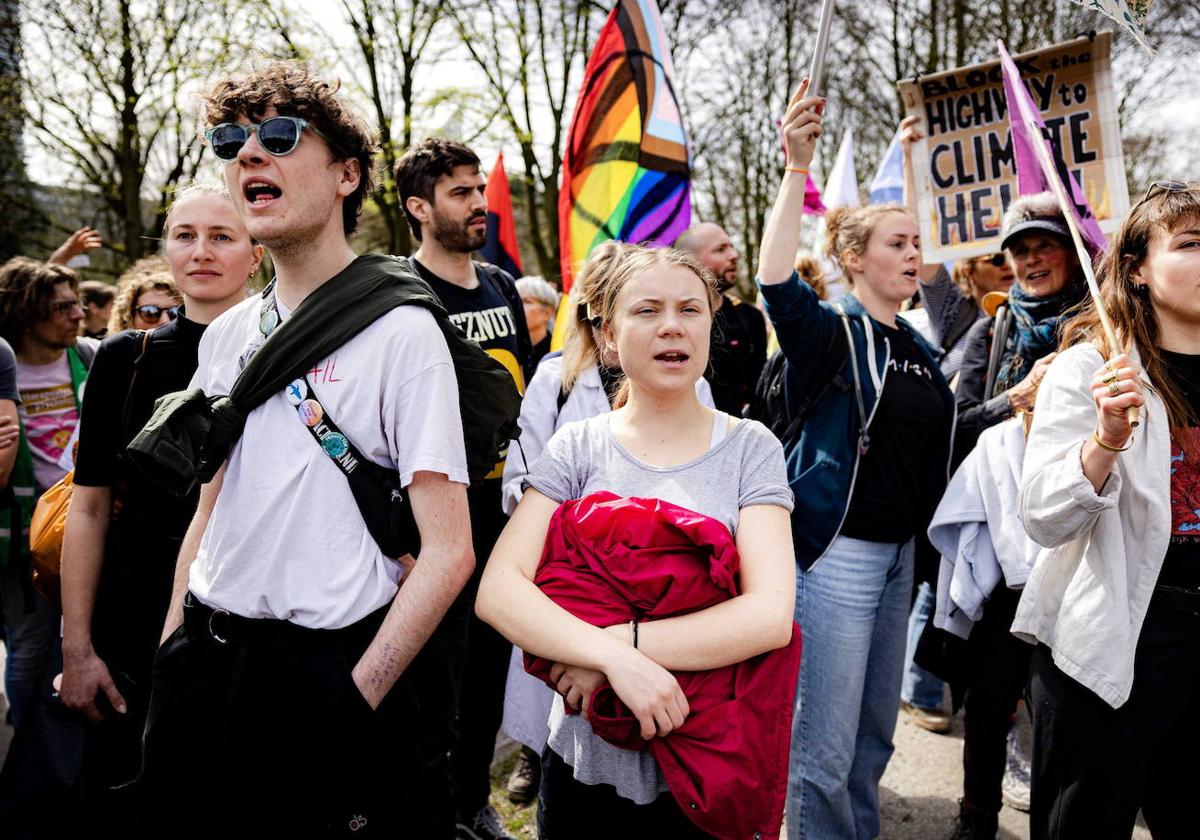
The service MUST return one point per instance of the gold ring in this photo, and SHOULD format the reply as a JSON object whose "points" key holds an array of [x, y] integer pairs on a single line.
{"points": [[1112, 377], [1114, 389]]}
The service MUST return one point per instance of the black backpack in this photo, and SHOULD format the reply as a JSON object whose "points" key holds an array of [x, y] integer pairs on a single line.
{"points": [[778, 402]]}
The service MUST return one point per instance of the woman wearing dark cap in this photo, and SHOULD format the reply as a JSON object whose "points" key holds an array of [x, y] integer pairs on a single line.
{"points": [[1000, 377]]}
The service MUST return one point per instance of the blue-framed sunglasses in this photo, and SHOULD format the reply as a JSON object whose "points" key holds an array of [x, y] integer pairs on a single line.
{"points": [[277, 135]]}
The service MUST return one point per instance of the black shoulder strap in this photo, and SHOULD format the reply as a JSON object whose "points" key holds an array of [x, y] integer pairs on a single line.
{"points": [[827, 376], [385, 509], [133, 365]]}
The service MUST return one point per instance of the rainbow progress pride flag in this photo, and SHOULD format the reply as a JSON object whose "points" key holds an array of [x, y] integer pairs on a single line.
{"points": [[626, 168]]}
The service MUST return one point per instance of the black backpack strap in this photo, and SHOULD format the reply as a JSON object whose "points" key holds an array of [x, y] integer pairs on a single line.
{"points": [[385, 509], [828, 375]]}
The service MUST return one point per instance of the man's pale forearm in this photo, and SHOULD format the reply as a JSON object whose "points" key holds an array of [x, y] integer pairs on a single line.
{"points": [[439, 575]]}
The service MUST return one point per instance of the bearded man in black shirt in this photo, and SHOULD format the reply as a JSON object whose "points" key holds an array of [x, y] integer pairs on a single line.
{"points": [[739, 335], [465, 664]]}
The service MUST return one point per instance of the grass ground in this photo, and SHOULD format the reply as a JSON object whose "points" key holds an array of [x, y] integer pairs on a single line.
{"points": [[518, 820]]}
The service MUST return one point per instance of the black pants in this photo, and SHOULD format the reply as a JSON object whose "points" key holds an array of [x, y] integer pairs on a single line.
{"points": [[131, 604], [1094, 766], [458, 682], [571, 810], [999, 674], [267, 735]]}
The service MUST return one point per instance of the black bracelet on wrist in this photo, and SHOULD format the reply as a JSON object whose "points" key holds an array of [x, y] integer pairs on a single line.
{"points": [[635, 633]]}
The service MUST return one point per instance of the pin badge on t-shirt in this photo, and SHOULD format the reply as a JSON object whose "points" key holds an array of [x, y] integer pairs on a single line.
{"points": [[296, 391], [268, 323], [335, 445], [310, 412]]}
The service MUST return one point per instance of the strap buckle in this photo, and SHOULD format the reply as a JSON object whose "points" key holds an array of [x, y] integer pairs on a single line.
{"points": [[212, 630]]}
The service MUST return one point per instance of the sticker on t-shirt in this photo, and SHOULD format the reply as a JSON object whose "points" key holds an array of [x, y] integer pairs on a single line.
{"points": [[50, 419]]}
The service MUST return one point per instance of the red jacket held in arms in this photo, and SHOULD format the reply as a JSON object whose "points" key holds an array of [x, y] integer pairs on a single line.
{"points": [[608, 560]]}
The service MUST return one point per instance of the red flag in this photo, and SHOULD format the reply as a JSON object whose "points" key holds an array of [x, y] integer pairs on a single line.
{"points": [[501, 248]]}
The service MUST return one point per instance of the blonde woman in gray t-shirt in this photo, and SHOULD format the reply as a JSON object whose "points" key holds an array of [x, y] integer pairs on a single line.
{"points": [[660, 442]]}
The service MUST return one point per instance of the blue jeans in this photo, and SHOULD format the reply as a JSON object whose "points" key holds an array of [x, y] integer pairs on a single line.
{"points": [[851, 607], [921, 688], [31, 641]]}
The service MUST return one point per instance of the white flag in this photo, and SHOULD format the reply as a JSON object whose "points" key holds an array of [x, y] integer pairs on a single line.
{"points": [[841, 189], [1130, 14]]}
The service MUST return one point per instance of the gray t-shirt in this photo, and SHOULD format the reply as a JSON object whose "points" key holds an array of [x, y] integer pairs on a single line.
{"points": [[745, 468]]}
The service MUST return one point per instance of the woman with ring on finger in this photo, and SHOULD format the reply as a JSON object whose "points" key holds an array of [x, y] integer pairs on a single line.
{"points": [[1113, 601]]}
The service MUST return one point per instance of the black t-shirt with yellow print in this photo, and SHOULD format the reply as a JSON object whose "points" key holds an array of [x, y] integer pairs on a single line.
{"points": [[489, 316]]}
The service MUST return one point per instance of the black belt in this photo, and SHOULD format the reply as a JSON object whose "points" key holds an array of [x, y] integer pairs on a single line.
{"points": [[224, 627]]}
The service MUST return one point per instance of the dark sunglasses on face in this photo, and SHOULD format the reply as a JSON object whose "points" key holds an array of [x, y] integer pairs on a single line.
{"points": [[153, 313], [278, 136], [997, 260]]}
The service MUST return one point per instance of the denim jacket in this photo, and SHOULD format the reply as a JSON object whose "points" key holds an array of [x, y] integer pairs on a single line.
{"points": [[823, 463]]}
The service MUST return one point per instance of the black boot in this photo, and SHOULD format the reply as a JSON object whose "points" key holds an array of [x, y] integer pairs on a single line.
{"points": [[974, 825]]}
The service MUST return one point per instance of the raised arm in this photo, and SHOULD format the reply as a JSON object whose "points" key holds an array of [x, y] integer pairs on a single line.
{"points": [[801, 128]]}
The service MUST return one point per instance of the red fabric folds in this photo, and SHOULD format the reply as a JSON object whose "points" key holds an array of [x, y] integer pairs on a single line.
{"points": [[610, 559]]}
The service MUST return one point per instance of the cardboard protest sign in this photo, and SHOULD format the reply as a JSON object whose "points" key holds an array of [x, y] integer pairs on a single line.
{"points": [[964, 168]]}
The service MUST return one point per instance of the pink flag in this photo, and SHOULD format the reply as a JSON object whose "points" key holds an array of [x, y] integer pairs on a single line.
{"points": [[812, 199], [1031, 178]]}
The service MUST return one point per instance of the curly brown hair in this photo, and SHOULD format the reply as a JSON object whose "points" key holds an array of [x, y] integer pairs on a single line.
{"points": [[26, 289], [292, 89], [145, 275]]}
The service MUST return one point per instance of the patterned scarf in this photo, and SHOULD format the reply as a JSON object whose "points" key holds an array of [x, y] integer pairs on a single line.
{"points": [[1035, 329]]}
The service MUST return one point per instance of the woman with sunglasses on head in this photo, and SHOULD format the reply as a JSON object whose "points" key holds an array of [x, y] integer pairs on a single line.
{"points": [[147, 297], [998, 382], [578, 383], [1113, 601], [123, 534], [867, 468]]}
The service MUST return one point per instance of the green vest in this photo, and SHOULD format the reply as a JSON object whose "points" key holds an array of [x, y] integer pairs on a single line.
{"points": [[24, 494]]}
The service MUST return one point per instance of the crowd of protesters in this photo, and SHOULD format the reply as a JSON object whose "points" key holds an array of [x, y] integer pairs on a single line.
{"points": [[326, 539]]}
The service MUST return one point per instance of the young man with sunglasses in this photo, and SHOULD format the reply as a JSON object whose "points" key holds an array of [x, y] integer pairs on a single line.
{"points": [[441, 190], [39, 316], [275, 707]]}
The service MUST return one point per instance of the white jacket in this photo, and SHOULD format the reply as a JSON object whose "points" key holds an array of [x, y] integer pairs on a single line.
{"points": [[1089, 591], [540, 418], [976, 529]]}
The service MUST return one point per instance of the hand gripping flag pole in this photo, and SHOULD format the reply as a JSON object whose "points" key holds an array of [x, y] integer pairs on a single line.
{"points": [[1030, 120]]}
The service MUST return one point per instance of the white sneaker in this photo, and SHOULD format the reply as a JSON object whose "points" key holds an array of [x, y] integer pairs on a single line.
{"points": [[1014, 788]]}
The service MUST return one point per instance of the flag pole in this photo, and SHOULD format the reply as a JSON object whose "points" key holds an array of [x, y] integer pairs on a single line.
{"points": [[816, 72], [1085, 258]]}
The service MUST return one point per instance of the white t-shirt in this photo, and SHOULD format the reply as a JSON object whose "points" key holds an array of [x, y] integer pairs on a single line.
{"points": [[286, 539]]}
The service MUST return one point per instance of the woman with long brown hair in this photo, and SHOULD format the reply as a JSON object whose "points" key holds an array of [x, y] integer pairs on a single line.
{"points": [[1113, 601]]}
